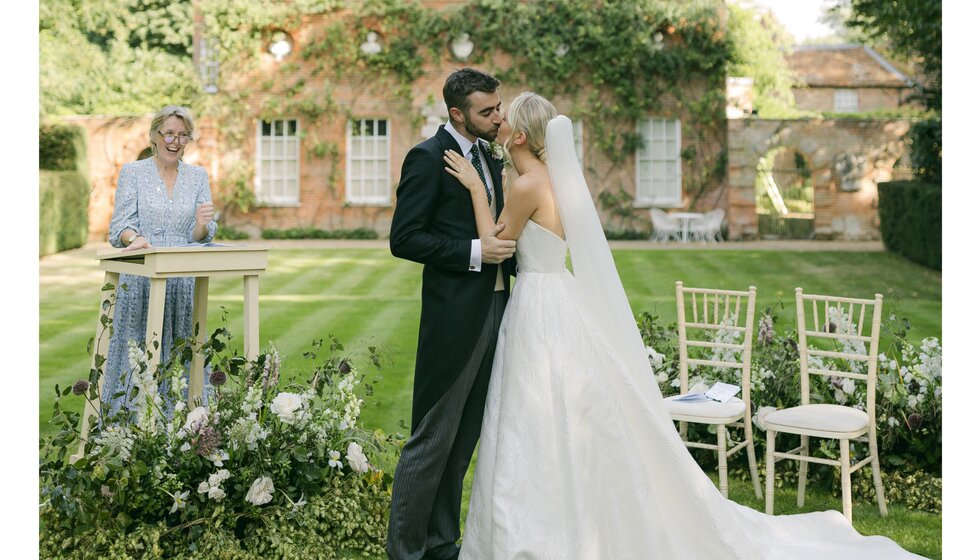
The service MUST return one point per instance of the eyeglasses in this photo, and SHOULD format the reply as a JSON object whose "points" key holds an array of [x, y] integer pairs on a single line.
{"points": [[170, 138]]}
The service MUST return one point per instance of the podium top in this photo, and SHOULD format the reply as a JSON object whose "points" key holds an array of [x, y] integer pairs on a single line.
{"points": [[187, 260]]}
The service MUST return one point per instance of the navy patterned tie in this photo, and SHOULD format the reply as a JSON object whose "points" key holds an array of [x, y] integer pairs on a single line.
{"points": [[475, 151]]}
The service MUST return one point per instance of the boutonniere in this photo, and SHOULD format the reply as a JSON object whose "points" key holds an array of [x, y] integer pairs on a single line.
{"points": [[496, 150]]}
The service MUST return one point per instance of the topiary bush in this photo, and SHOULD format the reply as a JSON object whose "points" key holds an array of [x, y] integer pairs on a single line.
{"points": [[911, 214]]}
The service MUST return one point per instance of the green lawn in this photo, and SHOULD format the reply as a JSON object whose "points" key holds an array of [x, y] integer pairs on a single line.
{"points": [[367, 295]]}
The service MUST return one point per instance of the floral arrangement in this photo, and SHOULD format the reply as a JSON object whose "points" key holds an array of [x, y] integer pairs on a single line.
{"points": [[908, 404], [261, 454]]}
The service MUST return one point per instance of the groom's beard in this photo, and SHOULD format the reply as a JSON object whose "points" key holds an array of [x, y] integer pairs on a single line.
{"points": [[489, 135]]}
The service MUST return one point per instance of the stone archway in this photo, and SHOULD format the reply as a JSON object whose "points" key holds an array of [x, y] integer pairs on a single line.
{"points": [[784, 195], [847, 158]]}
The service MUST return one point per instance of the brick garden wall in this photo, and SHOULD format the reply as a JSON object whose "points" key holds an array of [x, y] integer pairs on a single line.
{"points": [[847, 157]]}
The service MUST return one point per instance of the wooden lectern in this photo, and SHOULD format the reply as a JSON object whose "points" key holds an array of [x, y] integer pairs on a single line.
{"points": [[159, 263]]}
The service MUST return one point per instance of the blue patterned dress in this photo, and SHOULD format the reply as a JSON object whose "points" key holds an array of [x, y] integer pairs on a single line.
{"points": [[143, 205]]}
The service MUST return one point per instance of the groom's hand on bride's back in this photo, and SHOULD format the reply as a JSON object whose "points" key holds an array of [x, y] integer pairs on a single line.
{"points": [[496, 251]]}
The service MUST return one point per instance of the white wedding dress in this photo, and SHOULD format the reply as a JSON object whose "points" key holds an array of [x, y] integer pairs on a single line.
{"points": [[578, 458]]}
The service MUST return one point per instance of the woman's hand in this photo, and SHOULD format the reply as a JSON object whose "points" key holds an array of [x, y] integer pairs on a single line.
{"points": [[204, 214], [139, 242], [462, 169]]}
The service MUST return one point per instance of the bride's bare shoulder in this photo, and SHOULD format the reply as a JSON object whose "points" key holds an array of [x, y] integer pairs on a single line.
{"points": [[531, 185]]}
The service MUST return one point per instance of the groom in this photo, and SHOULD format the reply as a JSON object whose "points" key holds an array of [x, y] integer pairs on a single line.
{"points": [[465, 285]]}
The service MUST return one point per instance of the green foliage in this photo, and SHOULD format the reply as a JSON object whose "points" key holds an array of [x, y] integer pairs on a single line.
{"points": [[917, 490], [348, 519], [619, 206], [109, 57], [63, 220], [927, 150], [162, 478], [315, 233], [911, 220], [228, 232], [627, 234], [234, 193], [62, 148], [759, 51]]}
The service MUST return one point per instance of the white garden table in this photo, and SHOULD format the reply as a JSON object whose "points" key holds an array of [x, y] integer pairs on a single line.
{"points": [[159, 263], [685, 219]]}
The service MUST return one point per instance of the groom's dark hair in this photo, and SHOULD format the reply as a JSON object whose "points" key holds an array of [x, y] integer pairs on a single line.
{"points": [[463, 82]]}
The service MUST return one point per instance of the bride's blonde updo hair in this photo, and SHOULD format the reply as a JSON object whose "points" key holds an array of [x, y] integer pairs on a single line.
{"points": [[530, 113]]}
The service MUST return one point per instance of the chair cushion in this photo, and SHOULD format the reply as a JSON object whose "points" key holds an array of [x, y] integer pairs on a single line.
{"points": [[822, 417], [706, 409]]}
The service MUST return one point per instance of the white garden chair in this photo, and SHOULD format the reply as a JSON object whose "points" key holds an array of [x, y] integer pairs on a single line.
{"points": [[665, 228], [703, 315], [845, 424], [708, 229]]}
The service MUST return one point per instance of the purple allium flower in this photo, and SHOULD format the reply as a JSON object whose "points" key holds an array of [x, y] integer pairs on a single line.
{"points": [[915, 421], [344, 367], [208, 440], [765, 330], [218, 378], [80, 387]]}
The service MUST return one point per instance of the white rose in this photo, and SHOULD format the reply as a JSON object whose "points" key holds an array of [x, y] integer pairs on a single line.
{"points": [[260, 491], [203, 487], [216, 493], [286, 406], [760, 416], [219, 477], [195, 419], [356, 458], [848, 386]]}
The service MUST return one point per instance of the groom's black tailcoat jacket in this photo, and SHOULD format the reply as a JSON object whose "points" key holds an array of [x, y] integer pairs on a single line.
{"points": [[434, 225]]}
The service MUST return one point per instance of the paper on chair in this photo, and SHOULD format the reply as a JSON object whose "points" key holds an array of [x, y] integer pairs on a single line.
{"points": [[719, 392]]}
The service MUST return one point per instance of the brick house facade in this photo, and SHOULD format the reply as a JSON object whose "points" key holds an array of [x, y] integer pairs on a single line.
{"points": [[339, 169], [847, 79]]}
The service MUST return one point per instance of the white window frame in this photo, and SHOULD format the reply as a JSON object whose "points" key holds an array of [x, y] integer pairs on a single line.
{"points": [[658, 157], [846, 101], [280, 147], [368, 189], [208, 65]]}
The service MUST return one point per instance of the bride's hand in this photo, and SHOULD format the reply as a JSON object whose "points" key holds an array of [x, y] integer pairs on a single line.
{"points": [[462, 169]]}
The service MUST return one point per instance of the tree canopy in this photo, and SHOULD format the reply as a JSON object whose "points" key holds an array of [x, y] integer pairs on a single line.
{"points": [[760, 44], [115, 56]]}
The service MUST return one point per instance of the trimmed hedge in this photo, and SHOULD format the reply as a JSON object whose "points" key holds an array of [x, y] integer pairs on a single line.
{"points": [[62, 147], [911, 220], [927, 150], [314, 233], [63, 220]]}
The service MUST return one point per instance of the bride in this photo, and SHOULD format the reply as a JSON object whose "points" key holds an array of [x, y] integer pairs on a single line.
{"points": [[578, 457]]}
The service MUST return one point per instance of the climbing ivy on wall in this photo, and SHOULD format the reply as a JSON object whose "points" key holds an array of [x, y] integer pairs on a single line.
{"points": [[615, 60]]}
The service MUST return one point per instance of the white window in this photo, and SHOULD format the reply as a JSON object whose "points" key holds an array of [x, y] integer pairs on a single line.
{"points": [[577, 133], [277, 162], [658, 163], [207, 65], [368, 162], [845, 101]]}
